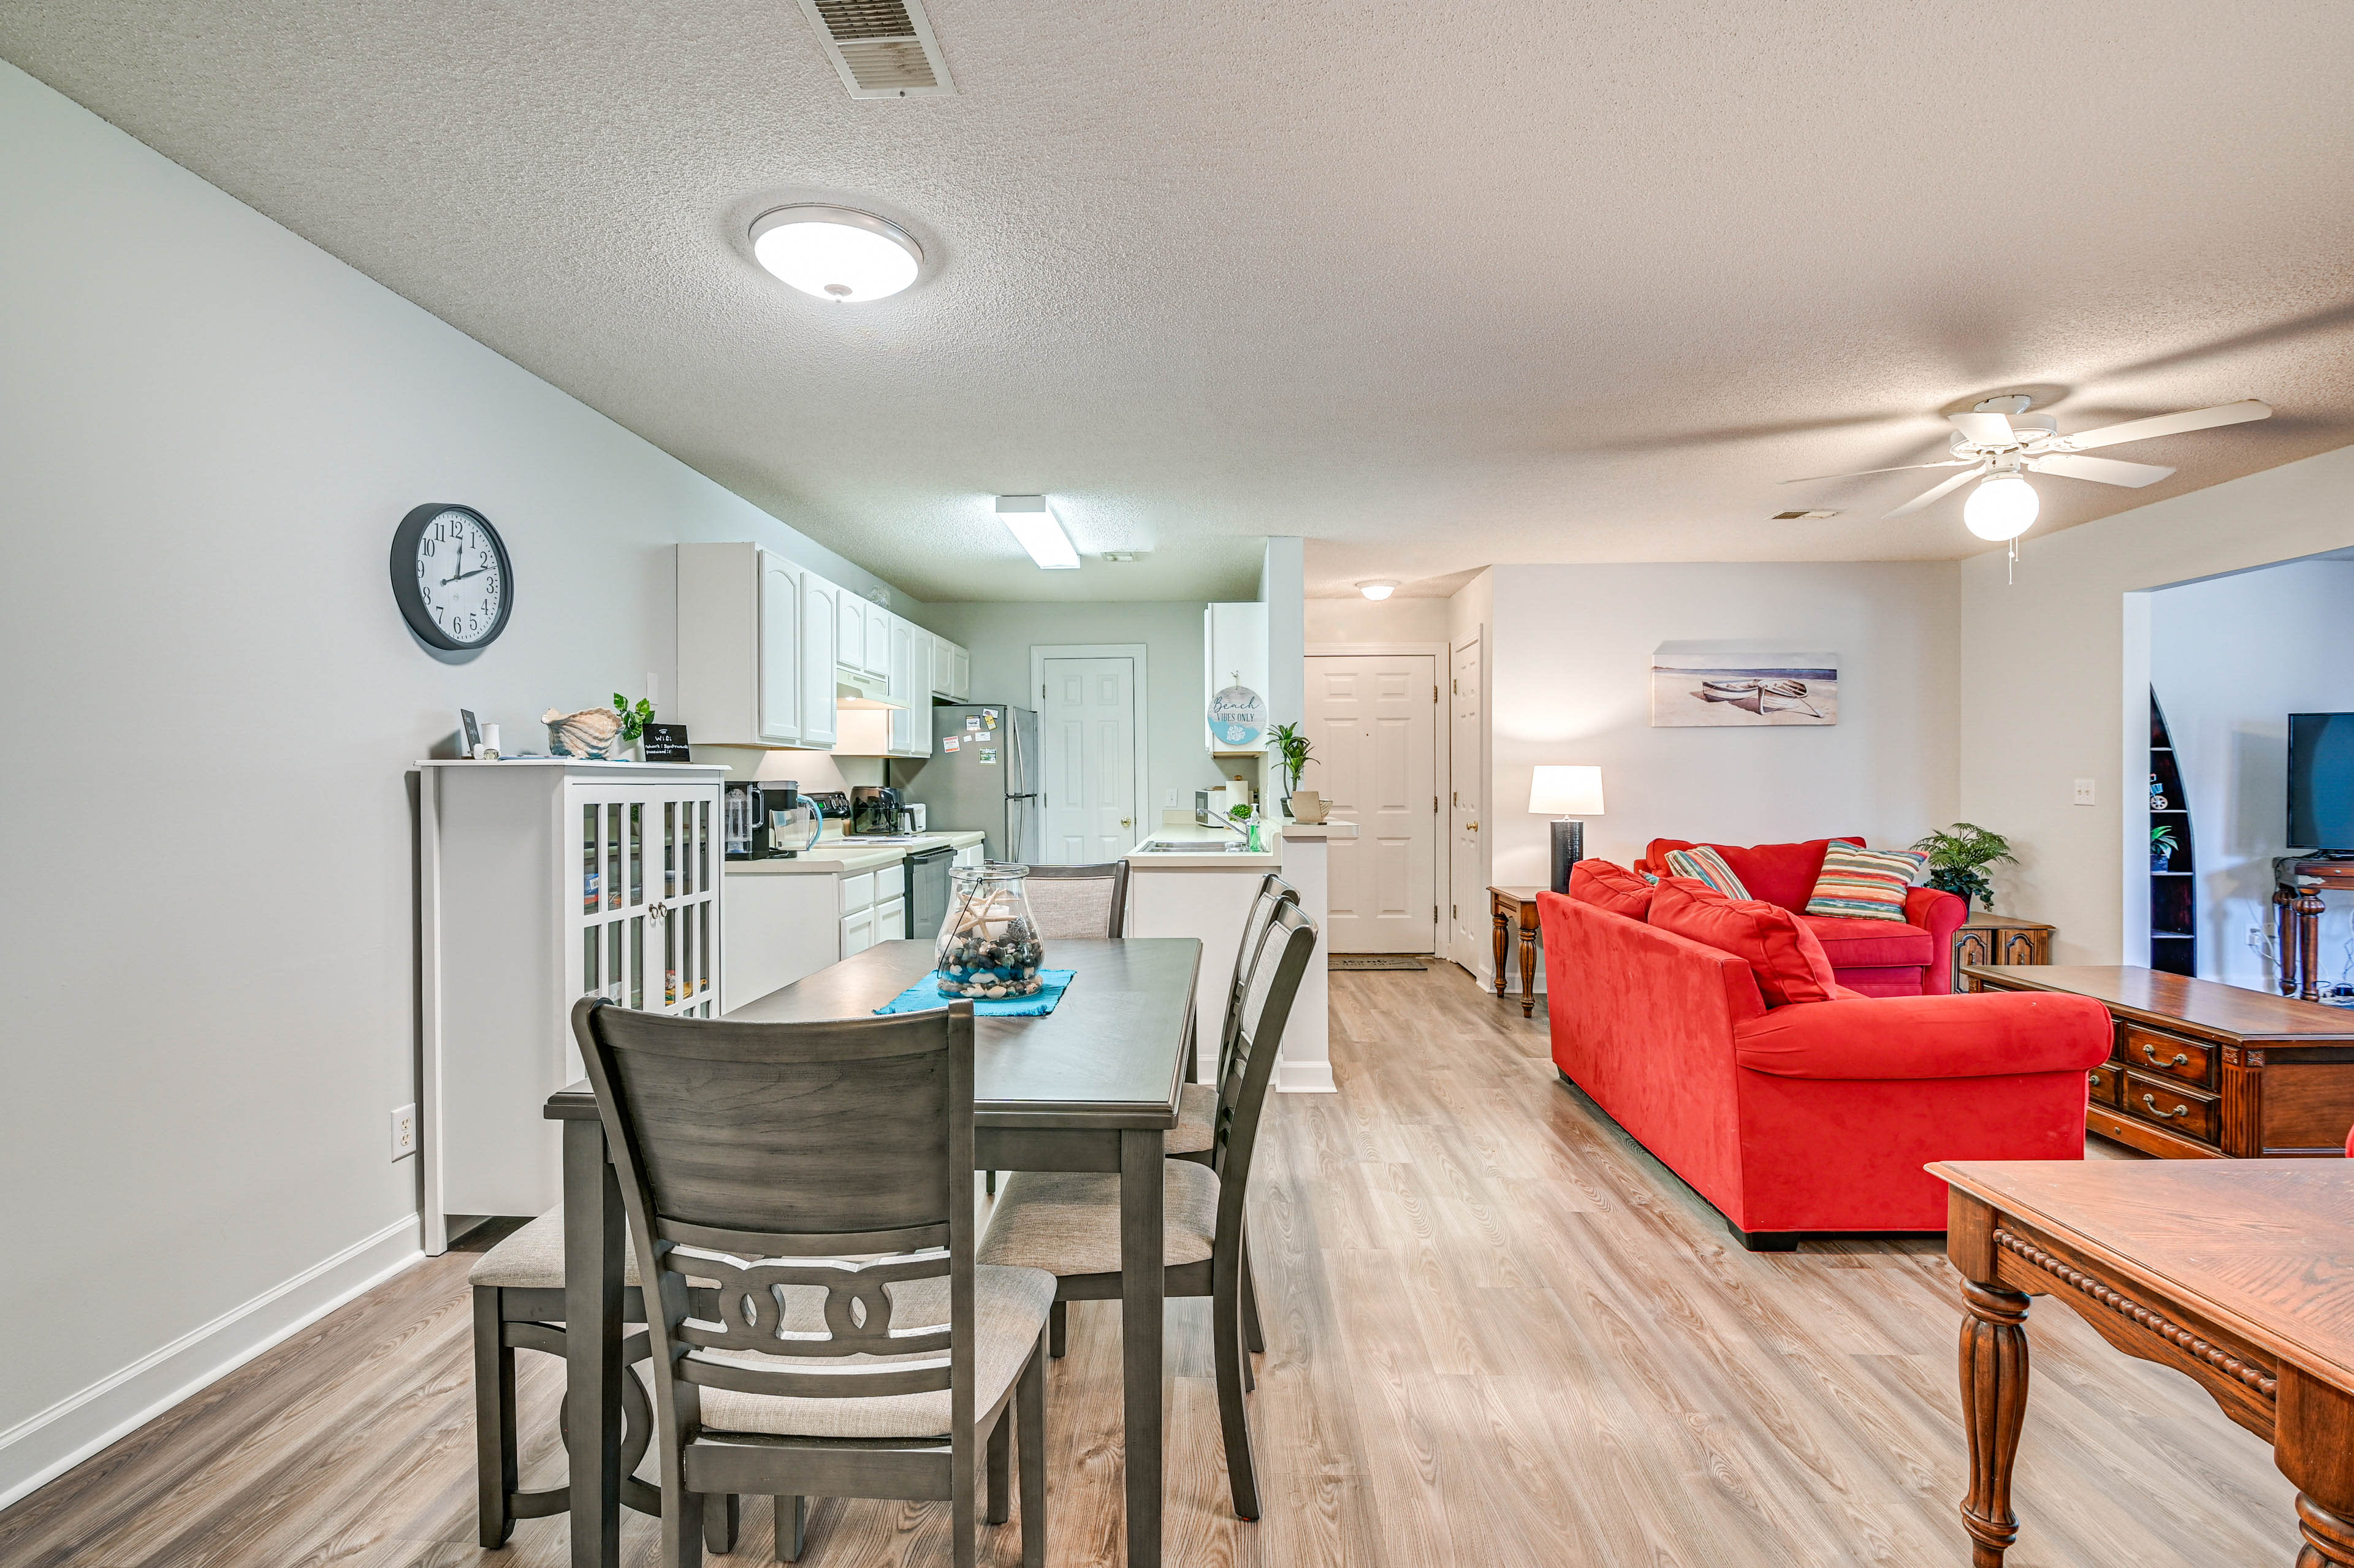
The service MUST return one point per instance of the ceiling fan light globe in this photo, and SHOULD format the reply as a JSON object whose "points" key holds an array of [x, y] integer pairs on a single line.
{"points": [[2003, 506]]}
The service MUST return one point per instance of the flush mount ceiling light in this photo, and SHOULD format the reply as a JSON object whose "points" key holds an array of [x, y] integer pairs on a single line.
{"points": [[835, 253], [1034, 525], [1380, 587]]}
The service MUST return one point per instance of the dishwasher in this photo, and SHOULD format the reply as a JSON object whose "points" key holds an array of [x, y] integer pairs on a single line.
{"points": [[928, 890]]}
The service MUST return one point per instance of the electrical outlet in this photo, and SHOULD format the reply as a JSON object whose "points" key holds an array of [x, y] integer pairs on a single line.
{"points": [[404, 1132], [1172, 802], [2084, 792]]}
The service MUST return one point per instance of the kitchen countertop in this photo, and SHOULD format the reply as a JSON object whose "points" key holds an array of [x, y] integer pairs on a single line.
{"points": [[1228, 860], [836, 855]]}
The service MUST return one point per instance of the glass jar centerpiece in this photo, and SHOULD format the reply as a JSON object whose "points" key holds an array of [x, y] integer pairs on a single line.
{"points": [[989, 947]]}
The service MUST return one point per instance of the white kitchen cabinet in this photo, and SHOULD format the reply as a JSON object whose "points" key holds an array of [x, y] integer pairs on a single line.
{"points": [[850, 631], [740, 647], [891, 920], [911, 659], [542, 880], [880, 623], [1234, 652], [820, 612], [961, 684], [971, 855], [943, 667], [857, 933]]}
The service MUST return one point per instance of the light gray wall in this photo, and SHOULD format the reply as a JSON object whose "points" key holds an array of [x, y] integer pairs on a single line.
{"points": [[1359, 620], [208, 431], [1000, 636], [2231, 658], [1569, 680], [2059, 689]]}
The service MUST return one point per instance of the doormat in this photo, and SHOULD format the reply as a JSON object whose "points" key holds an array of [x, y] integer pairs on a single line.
{"points": [[1374, 962]]}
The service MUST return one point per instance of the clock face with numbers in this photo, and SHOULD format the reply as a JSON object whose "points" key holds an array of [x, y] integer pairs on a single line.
{"points": [[451, 577]]}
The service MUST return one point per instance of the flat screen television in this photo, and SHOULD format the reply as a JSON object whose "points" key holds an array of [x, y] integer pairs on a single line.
{"points": [[2321, 781]]}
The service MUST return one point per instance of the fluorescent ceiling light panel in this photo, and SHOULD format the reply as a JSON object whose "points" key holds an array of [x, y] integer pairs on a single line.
{"points": [[1033, 522]]}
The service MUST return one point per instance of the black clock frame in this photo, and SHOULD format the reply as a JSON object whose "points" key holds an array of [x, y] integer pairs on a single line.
{"points": [[404, 576]]}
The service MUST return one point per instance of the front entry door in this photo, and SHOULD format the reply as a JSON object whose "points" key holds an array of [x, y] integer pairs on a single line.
{"points": [[1373, 720], [1469, 942], [1087, 720]]}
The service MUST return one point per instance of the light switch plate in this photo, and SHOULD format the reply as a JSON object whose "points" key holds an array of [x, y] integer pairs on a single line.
{"points": [[2084, 792]]}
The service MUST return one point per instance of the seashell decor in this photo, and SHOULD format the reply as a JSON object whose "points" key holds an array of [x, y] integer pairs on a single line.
{"points": [[590, 733]]}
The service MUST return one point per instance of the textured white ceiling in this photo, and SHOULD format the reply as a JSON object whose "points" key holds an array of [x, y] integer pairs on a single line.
{"points": [[1433, 285]]}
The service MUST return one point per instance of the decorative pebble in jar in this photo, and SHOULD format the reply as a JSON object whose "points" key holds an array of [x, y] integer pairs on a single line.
{"points": [[989, 949]]}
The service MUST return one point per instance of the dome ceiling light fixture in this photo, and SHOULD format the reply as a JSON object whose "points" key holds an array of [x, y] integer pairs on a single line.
{"points": [[836, 252], [1379, 589]]}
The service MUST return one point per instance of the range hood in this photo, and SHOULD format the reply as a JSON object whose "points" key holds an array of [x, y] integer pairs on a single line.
{"points": [[856, 689]]}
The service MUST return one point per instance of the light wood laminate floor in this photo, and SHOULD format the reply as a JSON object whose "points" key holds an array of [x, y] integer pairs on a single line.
{"points": [[1500, 1333]]}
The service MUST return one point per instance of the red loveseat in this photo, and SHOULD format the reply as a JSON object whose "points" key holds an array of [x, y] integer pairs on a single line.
{"points": [[1816, 1116], [1912, 956]]}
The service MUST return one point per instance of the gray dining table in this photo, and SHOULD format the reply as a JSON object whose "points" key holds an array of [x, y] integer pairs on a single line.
{"points": [[1090, 1087]]}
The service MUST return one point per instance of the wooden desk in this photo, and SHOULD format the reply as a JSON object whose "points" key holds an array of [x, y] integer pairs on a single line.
{"points": [[2199, 1070], [1516, 908], [2298, 886], [1090, 1087], [2240, 1275]]}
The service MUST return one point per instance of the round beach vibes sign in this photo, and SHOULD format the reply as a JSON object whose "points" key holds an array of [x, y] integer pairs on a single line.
{"points": [[1238, 715]]}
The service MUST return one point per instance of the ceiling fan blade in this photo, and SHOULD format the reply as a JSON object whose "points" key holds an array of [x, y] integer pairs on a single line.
{"points": [[1940, 493], [2102, 471], [1985, 430], [1900, 468], [2172, 424]]}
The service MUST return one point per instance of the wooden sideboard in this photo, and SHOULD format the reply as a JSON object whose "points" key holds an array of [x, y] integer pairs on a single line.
{"points": [[1985, 938], [2199, 1070]]}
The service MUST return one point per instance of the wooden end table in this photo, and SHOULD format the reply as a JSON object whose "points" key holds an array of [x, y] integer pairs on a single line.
{"points": [[1988, 938], [2298, 886], [2253, 1301], [1516, 909], [2202, 1071]]}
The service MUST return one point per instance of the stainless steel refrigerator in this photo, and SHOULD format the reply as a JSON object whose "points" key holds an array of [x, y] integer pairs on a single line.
{"points": [[983, 773]]}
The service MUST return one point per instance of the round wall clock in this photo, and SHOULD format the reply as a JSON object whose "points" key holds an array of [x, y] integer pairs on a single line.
{"points": [[451, 577]]}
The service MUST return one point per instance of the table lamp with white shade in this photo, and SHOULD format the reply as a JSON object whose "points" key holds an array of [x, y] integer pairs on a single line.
{"points": [[1566, 794]]}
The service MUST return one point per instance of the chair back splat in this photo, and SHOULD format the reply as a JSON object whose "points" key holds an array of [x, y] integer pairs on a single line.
{"points": [[1079, 900], [1272, 891], [1276, 965]]}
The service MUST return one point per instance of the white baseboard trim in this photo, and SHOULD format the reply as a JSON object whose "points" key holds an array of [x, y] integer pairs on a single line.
{"points": [[1304, 1078], [45, 1446]]}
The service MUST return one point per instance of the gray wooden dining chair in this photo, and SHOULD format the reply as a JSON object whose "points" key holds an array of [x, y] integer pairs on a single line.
{"points": [[1067, 1223], [817, 1178], [1079, 900]]}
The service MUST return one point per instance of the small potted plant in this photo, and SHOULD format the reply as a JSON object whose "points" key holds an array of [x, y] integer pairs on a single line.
{"points": [[1293, 754], [633, 723], [1957, 857], [2162, 846]]}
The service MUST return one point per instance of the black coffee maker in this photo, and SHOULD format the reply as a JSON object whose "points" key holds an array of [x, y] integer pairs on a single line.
{"points": [[752, 813], [873, 810]]}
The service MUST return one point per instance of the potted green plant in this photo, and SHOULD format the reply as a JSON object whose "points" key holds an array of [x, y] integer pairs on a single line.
{"points": [[633, 721], [1957, 856], [1293, 753], [2162, 846]]}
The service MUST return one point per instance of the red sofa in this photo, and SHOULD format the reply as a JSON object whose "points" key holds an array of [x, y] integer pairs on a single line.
{"points": [[1913, 957], [1811, 1118]]}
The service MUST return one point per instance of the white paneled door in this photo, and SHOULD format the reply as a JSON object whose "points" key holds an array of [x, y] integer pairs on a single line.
{"points": [[1372, 719], [1087, 719], [1470, 928]]}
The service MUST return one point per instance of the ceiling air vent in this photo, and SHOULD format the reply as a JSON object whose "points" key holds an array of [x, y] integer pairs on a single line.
{"points": [[882, 49], [1794, 516]]}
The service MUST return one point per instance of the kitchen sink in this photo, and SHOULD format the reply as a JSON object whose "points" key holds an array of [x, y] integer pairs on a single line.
{"points": [[1192, 846]]}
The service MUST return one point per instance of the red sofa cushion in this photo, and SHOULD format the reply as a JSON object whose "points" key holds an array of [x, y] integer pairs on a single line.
{"points": [[1610, 887], [1873, 944], [1779, 873], [1949, 1036], [1789, 963]]}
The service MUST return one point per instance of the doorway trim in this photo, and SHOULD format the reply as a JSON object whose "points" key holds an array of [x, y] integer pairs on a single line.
{"points": [[1442, 770], [1140, 705]]}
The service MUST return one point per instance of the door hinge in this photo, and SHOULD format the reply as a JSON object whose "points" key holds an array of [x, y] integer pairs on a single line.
{"points": [[1433, 691], [1453, 910], [1456, 685], [1434, 914], [1434, 805]]}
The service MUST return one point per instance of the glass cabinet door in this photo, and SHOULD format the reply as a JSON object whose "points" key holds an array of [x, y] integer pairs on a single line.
{"points": [[648, 924]]}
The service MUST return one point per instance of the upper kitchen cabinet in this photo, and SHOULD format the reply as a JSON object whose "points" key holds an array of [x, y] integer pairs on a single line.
{"points": [[740, 619], [1233, 646], [880, 623], [951, 670], [850, 631], [821, 615], [911, 663]]}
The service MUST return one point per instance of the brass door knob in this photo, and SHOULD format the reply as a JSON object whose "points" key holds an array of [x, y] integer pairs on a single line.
{"points": [[1470, 827]]}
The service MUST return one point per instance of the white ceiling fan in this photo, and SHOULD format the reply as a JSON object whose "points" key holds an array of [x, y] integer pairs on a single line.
{"points": [[1999, 442]]}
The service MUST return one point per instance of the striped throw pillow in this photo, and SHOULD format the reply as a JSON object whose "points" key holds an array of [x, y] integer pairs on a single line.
{"points": [[1859, 883], [1702, 864]]}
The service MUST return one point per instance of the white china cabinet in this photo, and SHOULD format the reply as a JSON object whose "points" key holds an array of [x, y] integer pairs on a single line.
{"points": [[542, 881]]}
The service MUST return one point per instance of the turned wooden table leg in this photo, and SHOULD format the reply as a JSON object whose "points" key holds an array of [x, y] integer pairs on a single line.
{"points": [[2284, 933], [1994, 1405], [2308, 944], [1528, 961], [2313, 1444], [1496, 913]]}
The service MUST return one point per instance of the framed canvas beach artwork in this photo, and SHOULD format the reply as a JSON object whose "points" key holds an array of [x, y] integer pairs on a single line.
{"points": [[1701, 685]]}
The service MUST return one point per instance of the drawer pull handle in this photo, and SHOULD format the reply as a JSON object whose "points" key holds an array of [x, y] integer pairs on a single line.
{"points": [[2181, 1058], [2164, 1114]]}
